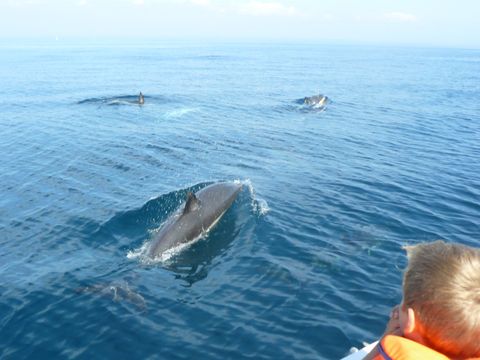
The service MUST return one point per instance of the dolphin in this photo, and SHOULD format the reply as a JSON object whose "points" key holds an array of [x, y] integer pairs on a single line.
{"points": [[316, 101], [117, 100], [117, 292], [200, 213]]}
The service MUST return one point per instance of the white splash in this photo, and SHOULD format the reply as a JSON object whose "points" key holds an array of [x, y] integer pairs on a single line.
{"points": [[179, 112], [141, 254], [259, 205]]}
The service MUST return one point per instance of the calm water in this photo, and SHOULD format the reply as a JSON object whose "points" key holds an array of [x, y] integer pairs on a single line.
{"points": [[307, 262]]}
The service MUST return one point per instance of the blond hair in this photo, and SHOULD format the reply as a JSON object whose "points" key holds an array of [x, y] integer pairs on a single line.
{"points": [[442, 285]]}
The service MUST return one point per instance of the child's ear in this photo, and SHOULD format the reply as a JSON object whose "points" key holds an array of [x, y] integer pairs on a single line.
{"points": [[409, 324]]}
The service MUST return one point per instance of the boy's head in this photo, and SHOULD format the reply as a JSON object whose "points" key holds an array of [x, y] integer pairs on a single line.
{"points": [[441, 295]]}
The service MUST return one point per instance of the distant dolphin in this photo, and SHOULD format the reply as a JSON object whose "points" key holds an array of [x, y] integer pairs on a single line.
{"points": [[116, 100], [117, 292], [201, 212], [316, 101]]}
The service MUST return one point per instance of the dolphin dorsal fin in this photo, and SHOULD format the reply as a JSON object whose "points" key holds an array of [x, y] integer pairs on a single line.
{"points": [[192, 203]]}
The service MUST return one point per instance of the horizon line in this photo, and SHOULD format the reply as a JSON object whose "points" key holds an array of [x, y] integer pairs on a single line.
{"points": [[117, 39]]}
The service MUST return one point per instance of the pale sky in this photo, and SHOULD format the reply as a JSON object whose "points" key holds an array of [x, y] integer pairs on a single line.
{"points": [[448, 23]]}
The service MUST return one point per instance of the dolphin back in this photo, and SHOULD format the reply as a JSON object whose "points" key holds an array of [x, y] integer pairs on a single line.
{"points": [[316, 100], [201, 211]]}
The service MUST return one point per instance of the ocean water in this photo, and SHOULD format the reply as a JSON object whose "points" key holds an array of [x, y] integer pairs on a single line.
{"points": [[306, 263]]}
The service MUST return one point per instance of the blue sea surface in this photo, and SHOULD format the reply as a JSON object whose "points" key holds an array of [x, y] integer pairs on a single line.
{"points": [[306, 263]]}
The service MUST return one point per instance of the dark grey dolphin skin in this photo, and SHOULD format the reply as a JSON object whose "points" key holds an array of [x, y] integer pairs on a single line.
{"points": [[316, 100], [201, 211], [141, 99]]}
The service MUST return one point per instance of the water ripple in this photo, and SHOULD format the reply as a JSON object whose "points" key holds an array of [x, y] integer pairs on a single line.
{"points": [[306, 265]]}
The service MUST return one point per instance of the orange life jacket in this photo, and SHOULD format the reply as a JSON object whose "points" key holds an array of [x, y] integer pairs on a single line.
{"points": [[399, 348]]}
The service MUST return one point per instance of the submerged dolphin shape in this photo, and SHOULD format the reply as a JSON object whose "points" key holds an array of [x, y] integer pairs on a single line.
{"points": [[316, 101], [117, 292], [201, 212]]}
